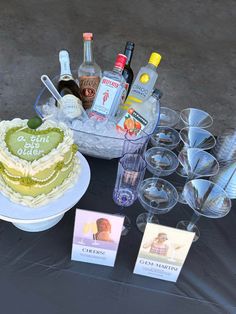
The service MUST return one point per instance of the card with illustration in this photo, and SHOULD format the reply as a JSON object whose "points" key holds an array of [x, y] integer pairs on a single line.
{"points": [[96, 237], [162, 252]]}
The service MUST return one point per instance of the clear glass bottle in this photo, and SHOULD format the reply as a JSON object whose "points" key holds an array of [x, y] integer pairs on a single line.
{"points": [[89, 73], [144, 82], [110, 90], [139, 116]]}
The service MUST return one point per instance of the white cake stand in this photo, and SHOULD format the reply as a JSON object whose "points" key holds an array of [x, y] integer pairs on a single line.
{"points": [[45, 217]]}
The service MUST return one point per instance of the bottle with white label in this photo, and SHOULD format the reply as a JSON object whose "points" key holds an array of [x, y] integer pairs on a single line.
{"points": [[144, 82], [140, 116], [110, 90]]}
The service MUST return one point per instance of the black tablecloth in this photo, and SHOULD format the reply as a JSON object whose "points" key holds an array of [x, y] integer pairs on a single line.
{"points": [[37, 275]]}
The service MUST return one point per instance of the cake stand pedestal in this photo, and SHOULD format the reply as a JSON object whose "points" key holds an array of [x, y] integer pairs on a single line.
{"points": [[47, 216]]}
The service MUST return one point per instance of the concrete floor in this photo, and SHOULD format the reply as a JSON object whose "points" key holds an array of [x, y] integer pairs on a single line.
{"points": [[196, 39]]}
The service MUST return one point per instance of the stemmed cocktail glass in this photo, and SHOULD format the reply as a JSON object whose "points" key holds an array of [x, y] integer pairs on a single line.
{"points": [[195, 163], [195, 137], [165, 136], [196, 117], [206, 199]]}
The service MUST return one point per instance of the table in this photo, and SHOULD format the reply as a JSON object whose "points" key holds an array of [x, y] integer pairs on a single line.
{"points": [[37, 275]]}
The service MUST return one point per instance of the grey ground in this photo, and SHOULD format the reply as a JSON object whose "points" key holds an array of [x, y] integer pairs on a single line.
{"points": [[196, 39]]}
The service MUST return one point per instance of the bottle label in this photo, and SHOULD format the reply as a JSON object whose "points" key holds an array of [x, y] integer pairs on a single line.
{"points": [[88, 88], [71, 106], [132, 122], [105, 96]]}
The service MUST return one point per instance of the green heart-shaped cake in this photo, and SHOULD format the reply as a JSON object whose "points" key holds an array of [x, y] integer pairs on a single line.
{"points": [[30, 144], [36, 165]]}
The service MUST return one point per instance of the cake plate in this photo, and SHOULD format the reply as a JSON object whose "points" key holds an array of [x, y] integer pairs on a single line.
{"points": [[47, 216]]}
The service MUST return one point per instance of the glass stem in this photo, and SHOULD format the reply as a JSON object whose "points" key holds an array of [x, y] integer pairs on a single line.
{"points": [[149, 217], [193, 221]]}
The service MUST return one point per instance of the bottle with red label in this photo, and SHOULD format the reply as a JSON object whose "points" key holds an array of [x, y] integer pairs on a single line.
{"points": [[110, 90], [89, 73]]}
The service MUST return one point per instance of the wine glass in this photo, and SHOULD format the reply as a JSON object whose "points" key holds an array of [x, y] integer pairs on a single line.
{"points": [[161, 161], [130, 173], [195, 137], [195, 163], [157, 196], [196, 117], [168, 117], [165, 136], [206, 199]]}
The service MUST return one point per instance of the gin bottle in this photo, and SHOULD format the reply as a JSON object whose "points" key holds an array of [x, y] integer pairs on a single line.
{"points": [[110, 90]]}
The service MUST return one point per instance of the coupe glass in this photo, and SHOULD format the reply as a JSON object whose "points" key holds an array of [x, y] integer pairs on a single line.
{"points": [[157, 196], [206, 199], [168, 117], [165, 136], [194, 137], [195, 163], [130, 173], [196, 117], [161, 161]]}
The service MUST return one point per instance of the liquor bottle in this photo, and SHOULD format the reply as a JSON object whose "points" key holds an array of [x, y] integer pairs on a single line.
{"points": [[66, 84], [144, 82], [110, 90], [139, 116], [89, 73], [128, 72]]}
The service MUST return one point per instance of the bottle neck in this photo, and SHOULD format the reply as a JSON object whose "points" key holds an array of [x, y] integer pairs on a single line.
{"points": [[151, 66], [129, 54], [65, 66], [88, 53], [118, 70]]}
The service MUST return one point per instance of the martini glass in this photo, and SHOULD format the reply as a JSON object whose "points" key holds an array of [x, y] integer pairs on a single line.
{"points": [[168, 117], [165, 136], [157, 196], [196, 117], [206, 199], [195, 137], [195, 163]]}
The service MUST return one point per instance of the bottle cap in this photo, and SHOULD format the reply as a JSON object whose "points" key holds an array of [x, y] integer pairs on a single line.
{"points": [[129, 45], [157, 93], [155, 59], [120, 61], [88, 36], [63, 54]]}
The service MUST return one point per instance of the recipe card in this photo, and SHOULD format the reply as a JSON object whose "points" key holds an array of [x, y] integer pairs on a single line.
{"points": [[96, 237], [162, 252]]}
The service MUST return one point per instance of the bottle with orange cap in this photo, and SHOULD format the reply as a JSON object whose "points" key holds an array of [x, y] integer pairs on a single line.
{"points": [[143, 85], [89, 73]]}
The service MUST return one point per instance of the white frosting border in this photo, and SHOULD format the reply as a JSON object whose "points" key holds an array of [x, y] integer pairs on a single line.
{"points": [[42, 199], [28, 168]]}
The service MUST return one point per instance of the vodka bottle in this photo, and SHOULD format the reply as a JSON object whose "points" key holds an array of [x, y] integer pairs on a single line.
{"points": [[144, 82], [139, 116]]}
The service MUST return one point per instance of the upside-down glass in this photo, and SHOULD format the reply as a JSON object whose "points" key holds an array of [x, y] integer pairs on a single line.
{"points": [[157, 196], [130, 173], [206, 199], [196, 117], [225, 148]]}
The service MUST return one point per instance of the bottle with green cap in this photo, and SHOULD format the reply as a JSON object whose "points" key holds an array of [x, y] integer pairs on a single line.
{"points": [[144, 82]]}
